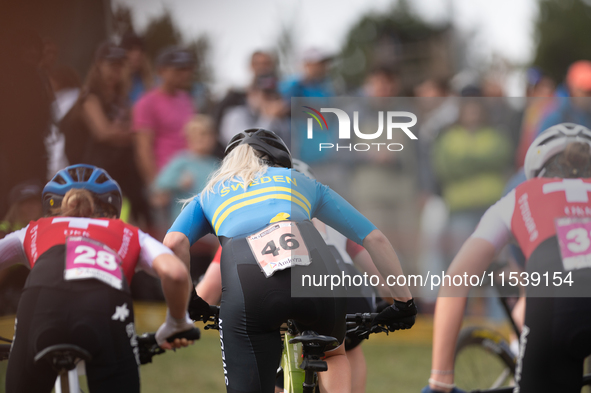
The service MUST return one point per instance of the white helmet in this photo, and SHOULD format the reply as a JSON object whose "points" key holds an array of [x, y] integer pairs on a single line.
{"points": [[551, 142], [302, 167]]}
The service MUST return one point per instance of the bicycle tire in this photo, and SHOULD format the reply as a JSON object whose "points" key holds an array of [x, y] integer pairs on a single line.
{"points": [[483, 360]]}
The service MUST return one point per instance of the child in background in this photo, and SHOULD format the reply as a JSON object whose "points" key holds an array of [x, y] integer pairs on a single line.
{"points": [[187, 173]]}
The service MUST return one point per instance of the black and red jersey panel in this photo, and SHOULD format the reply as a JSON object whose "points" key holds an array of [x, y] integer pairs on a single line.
{"points": [[540, 201], [45, 233]]}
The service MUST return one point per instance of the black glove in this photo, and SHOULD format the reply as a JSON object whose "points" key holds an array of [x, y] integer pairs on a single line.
{"points": [[198, 308], [399, 316]]}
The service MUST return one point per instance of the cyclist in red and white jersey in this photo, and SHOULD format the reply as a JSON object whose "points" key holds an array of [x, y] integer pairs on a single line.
{"points": [[82, 259], [549, 216]]}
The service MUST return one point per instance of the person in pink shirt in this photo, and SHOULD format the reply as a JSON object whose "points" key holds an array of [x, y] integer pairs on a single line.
{"points": [[160, 115]]}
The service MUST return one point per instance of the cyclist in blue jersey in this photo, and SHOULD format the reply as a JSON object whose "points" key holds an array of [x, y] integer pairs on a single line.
{"points": [[261, 210]]}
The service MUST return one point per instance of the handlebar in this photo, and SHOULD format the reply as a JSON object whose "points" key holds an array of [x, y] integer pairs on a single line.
{"points": [[212, 321], [361, 324], [148, 347]]}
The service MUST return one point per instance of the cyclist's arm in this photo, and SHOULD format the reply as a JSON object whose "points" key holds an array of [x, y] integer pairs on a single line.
{"points": [[189, 226], [210, 287], [157, 259], [176, 283], [12, 250], [335, 211], [473, 258], [477, 253], [384, 257], [363, 261]]}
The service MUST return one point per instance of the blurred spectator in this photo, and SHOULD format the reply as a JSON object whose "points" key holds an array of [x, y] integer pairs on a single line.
{"points": [[186, 174], [263, 108], [25, 206], [314, 80], [25, 113], [98, 130], [382, 183], [138, 72], [577, 107], [439, 111], [160, 115], [470, 160], [382, 82], [261, 63], [66, 84], [540, 92], [50, 54]]}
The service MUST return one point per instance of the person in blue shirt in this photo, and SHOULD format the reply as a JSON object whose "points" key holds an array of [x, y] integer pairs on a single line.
{"points": [[187, 173], [139, 74], [260, 209], [576, 106], [314, 81]]}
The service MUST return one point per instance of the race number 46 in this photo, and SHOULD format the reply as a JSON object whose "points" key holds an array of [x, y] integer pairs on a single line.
{"points": [[279, 246]]}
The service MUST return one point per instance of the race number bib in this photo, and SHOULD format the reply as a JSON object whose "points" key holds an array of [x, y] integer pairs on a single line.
{"points": [[86, 258], [574, 238], [278, 247]]}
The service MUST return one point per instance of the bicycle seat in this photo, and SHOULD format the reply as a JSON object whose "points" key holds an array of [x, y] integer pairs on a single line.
{"points": [[63, 357], [310, 339]]}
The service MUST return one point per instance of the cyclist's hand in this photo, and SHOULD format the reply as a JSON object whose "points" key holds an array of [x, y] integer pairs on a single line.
{"points": [[398, 316], [199, 310], [427, 389], [170, 327]]}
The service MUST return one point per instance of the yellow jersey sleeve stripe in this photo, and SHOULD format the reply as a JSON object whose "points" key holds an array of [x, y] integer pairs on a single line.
{"points": [[257, 200], [257, 192]]}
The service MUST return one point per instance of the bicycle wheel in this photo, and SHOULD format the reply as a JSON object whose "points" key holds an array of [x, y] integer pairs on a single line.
{"points": [[483, 360]]}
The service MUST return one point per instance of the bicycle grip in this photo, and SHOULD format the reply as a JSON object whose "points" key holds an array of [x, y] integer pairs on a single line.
{"points": [[192, 334]]}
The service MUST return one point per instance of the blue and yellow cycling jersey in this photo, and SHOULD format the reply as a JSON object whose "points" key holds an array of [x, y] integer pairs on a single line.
{"points": [[280, 194]]}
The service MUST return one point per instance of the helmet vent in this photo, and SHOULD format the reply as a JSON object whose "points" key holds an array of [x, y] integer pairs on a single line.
{"points": [[102, 178], [80, 174], [59, 180]]}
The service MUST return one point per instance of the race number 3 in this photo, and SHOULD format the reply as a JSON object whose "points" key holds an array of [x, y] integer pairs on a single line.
{"points": [[278, 247], [574, 238]]}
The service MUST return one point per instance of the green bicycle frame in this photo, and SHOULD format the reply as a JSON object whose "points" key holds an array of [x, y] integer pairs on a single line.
{"points": [[291, 358]]}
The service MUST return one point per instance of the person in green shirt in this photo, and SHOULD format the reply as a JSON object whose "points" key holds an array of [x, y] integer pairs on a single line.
{"points": [[471, 160]]}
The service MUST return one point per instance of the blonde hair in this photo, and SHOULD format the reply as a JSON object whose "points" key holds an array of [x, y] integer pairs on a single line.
{"points": [[199, 122], [77, 203], [242, 165]]}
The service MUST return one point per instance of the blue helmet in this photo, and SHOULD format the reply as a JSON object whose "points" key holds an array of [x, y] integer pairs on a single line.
{"points": [[88, 177]]}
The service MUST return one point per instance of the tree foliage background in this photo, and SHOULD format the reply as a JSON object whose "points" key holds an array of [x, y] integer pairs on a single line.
{"points": [[162, 32], [398, 38], [563, 29]]}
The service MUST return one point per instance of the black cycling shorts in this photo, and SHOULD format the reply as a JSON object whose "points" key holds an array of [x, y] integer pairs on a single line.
{"points": [[254, 307], [100, 321], [556, 337]]}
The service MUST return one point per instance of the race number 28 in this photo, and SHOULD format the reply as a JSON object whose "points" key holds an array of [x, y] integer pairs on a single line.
{"points": [[88, 255]]}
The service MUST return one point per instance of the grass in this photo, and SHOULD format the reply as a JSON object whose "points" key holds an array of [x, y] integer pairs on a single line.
{"points": [[399, 362], [393, 367]]}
